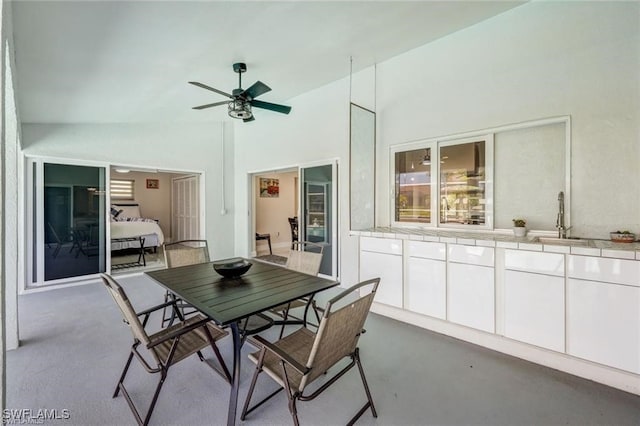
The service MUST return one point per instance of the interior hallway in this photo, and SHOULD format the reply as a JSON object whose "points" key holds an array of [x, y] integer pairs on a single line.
{"points": [[74, 346]]}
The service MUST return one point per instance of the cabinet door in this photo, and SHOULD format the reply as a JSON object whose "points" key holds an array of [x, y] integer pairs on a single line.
{"points": [[603, 323], [472, 296], [427, 287], [389, 268], [534, 309]]}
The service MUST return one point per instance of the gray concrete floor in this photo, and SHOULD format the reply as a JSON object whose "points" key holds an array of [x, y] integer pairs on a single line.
{"points": [[74, 346]]}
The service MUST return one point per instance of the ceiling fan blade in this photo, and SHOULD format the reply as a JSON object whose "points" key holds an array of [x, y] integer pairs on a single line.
{"points": [[249, 119], [211, 105], [258, 88], [272, 107], [204, 86]]}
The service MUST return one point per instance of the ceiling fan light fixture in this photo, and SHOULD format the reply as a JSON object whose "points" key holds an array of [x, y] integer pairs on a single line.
{"points": [[239, 108]]}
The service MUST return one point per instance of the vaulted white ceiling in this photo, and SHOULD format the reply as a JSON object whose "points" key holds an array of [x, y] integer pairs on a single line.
{"points": [[129, 61]]}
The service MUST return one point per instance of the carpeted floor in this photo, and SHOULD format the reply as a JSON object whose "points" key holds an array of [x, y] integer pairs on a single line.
{"points": [[74, 345], [273, 258]]}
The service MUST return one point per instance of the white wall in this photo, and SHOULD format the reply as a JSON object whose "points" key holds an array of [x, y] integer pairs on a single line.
{"points": [[539, 60], [10, 188], [317, 129], [192, 147], [272, 212]]}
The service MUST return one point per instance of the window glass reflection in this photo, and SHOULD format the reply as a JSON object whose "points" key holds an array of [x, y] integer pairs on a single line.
{"points": [[462, 184], [413, 186], [74, 221]]}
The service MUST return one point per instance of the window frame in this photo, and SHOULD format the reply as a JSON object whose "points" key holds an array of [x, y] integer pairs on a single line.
{"points": [[435, 146]]}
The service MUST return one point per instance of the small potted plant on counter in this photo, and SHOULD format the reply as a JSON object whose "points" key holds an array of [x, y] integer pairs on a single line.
{"points": [[519, 229]]}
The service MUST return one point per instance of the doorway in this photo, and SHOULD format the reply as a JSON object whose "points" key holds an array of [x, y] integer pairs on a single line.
{"points": [[275, 201], [307, 194]]}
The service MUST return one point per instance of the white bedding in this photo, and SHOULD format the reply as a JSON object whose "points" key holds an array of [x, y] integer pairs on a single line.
{"points": [[150, 230]]}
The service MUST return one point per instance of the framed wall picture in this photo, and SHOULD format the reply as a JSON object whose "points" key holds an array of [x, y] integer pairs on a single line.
{"points": [[153, 184], [269, 188]]}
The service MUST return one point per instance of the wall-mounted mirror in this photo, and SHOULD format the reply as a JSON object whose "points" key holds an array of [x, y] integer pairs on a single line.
{"points": [[362, 168]]}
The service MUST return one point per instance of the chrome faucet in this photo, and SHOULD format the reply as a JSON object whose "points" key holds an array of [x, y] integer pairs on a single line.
{"points": [[562, 230]]}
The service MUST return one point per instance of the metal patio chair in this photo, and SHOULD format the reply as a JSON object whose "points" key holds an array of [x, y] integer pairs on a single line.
{"points": [[182, 253], [304, 257], [56, 239], [300, 358], [164, 348]]}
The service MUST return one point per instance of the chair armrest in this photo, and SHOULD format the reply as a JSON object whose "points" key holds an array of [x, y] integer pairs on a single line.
{"points": [[175, 331], [282, 355], [155, 308]]}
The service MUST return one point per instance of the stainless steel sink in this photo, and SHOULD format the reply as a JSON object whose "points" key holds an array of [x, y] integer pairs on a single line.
{"points": [[562, 241]]}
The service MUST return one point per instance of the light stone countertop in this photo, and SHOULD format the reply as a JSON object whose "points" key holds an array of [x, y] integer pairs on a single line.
{"points": [[585, 246]]}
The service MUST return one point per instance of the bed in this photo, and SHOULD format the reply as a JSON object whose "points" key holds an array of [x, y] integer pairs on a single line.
{"points": [[127, 226]]}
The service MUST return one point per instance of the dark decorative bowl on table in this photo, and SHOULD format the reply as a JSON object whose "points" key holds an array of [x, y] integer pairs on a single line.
{"points": [[232, 268]]}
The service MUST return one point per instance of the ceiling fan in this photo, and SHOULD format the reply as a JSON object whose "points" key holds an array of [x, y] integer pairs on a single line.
{"points": [[243, 99]]}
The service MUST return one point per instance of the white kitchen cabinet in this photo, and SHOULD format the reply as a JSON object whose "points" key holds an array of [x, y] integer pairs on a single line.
{"points": [[603, 323], [471, 286], [383, 258], [471, 300], [426, 280], [603, 311], [534, 298], [534, 309]]}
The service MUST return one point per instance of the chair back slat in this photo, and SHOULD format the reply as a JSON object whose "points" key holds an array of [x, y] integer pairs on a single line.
{"points": [[128, 313], [304, 261], [339, 331], [188, 252]]}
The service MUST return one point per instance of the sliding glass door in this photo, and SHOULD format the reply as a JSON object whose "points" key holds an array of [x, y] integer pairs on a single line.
{"points": [[68, 221], [319, 213]]}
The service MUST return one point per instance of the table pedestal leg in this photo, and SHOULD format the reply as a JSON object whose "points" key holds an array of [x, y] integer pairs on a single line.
{"points": [[235, 384]]}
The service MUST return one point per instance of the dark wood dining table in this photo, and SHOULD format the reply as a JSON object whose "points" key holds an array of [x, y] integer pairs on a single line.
{"points": [[227, 301]]}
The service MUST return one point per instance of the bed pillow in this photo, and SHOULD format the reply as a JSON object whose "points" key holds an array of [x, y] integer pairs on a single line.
{"points": [[115, 213]]}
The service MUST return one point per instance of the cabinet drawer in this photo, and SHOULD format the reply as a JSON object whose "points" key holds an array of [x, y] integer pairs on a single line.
{"points": [[617, 271], [528, 261], [472, 255], [427, 250], [381, 245]]}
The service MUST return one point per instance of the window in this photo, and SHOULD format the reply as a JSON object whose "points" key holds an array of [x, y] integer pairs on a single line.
{"points": [[444, 183], [463, 183], [413, 186], [122, 189]]}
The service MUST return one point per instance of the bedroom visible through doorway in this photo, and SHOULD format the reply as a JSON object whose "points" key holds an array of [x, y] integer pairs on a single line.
{"points": [[150, 208], [86, 218]]}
